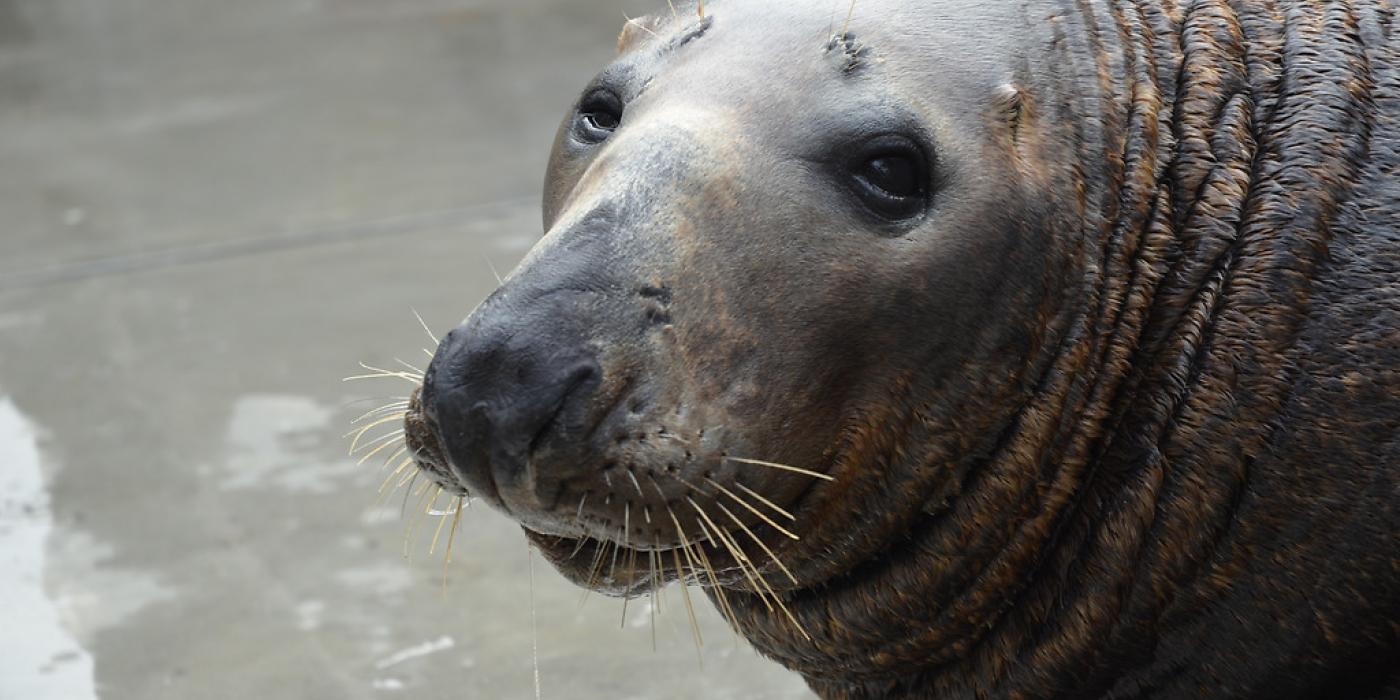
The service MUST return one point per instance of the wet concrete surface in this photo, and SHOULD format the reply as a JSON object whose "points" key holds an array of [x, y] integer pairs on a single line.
{"points": [[212, 211]]}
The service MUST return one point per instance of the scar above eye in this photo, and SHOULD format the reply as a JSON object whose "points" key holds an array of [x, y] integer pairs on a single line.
{"points": [[850, 54]]}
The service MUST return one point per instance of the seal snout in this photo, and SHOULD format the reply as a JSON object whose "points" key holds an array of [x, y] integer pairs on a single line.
{"points": [[497, 387]]}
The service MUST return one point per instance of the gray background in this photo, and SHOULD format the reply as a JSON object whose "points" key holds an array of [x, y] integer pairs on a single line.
{"points": [[211, 210]]}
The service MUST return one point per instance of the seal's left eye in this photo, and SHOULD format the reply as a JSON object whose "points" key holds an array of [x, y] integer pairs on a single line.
{"points": [[599, 114]]}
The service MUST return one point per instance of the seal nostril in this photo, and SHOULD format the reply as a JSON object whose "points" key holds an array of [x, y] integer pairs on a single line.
{"points": [[661, 293]]}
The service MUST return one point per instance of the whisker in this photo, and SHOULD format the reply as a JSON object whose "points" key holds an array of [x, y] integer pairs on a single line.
{"points": [[612, 567], [397, 453], [359, 432], [347, 405], [381, 374], [635, 483], [393, 433], [652, 575], [684, 580], [383, 493], [578, 547], [724, 607], [685, 541], [765, 501], [739, 557], [403, 508], [687, 484], [677, 438], [426, 504], [637, 24], [424, 324], [784, 467], [594, 568], [494, 272], [689, 607], [534, 630], [631, 573], [396, 407], [763, 582], [451, 533], [387, 444], [395, 372], [419, 370], [758, 542], [442, 520], [752, 509]]}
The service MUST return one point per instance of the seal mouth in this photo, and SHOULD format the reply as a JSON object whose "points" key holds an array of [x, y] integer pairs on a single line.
{"points": [[421, 439], [646, 496]]}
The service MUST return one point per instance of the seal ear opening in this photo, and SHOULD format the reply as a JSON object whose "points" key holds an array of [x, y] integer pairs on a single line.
{"points": [[636, 30], [1014, 107]]}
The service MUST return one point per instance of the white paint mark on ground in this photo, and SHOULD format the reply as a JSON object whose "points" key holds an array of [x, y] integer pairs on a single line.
{"points": [[310, 613], [90, 593], [388, 684], [431, 647], [279, 441], [39, 657]]}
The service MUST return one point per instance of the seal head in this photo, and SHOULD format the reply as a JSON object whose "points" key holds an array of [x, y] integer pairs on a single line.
{"points": [[963, 351]]}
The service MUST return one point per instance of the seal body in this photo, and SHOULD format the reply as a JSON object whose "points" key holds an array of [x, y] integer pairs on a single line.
{"points": [[971, 350]]}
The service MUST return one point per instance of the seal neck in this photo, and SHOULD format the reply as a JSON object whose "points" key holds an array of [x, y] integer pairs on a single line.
{"points": [[1049, 557]]}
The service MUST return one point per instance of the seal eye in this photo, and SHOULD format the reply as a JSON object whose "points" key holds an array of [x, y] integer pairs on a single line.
{"points": [[599, 115], [893, 175], [891, 179]]}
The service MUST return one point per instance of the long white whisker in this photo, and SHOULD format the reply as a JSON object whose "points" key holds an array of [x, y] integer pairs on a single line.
{"points": [[752, 509], [431, 335], [784, 467]]}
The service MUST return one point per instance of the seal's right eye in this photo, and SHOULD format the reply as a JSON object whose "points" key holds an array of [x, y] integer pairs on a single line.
{"points": [[599, 115], [890, 176]]}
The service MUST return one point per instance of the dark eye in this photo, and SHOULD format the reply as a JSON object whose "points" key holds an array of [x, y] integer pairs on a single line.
{"points": [[599, 114], [891, 177]]}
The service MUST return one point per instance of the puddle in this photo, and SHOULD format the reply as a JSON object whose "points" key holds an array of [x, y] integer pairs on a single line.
{"points": [[90, 593], [39, 656], [279, 441]]}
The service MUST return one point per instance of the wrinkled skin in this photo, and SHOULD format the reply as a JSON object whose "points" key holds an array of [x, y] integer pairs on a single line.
{"points": [[1114, 413]]}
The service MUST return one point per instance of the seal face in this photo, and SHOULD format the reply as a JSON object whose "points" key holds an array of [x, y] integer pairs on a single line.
{"points": [[968, 349]]}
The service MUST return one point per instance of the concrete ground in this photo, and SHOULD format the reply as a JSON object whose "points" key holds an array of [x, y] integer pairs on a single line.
{"points": [[210, 212]]}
